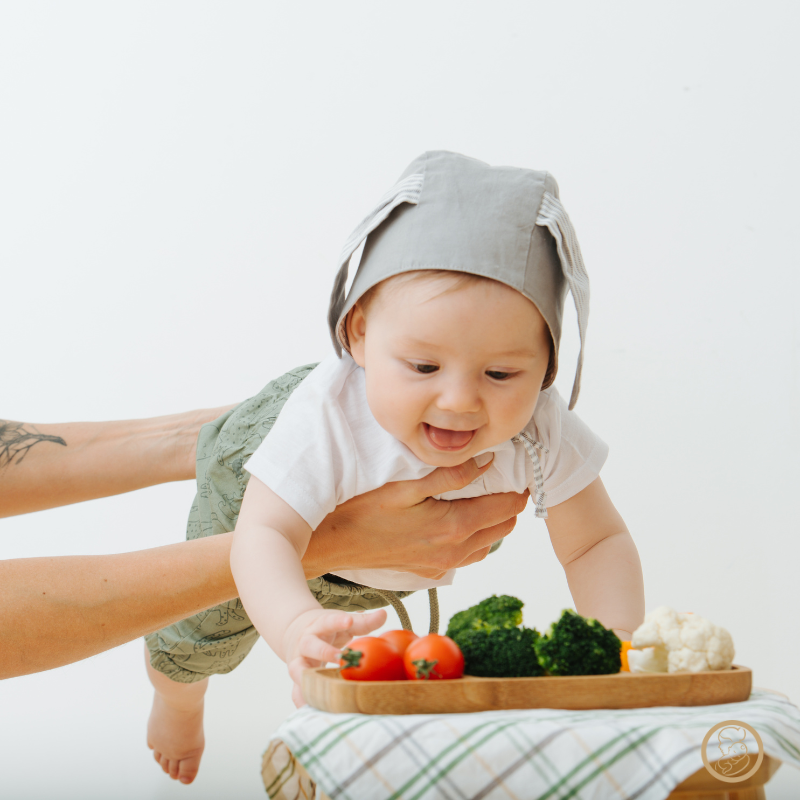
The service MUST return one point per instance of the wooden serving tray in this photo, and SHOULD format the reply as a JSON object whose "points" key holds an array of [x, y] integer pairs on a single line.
{"points": [[326, 690]]}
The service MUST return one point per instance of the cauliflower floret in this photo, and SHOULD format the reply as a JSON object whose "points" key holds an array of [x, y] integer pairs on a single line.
{"points": [[682, 642], [651, 659]]}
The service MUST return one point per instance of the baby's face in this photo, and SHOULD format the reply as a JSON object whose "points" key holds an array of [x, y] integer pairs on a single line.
{"points": [[450, 373]]}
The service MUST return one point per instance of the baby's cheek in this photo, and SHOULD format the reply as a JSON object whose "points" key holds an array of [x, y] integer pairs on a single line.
{"points": [[391, 412], [511, 417]]}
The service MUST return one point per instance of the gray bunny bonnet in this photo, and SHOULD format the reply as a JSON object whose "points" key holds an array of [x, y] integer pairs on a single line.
{"points": [[451, 212]]}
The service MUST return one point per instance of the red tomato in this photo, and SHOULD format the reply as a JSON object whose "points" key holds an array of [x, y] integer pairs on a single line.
{"points": [[400, 640], [371, 659], [433, 657]]}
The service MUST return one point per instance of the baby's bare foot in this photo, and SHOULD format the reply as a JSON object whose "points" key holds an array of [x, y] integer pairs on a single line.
{"points": [[175, 735]]}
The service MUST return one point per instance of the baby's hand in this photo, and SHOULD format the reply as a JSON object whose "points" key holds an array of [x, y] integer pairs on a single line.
{"points": [[317, 637]]}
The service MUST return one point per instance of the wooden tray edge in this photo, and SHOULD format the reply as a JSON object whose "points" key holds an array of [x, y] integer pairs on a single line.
{"points": [[326, 690]]}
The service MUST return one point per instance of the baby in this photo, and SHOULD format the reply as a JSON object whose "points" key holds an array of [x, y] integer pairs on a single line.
{"points": [[446, 350]]}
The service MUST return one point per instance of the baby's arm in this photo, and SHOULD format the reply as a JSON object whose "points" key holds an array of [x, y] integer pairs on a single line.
{"points": [[268, 545], [600, 559]]}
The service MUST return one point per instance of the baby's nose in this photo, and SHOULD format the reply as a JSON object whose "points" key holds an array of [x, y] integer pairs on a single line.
{"points": [[459, 397]]}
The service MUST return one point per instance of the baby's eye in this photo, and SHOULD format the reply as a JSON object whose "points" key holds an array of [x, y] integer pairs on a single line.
{"points": [[425, 369], [499, 376]]}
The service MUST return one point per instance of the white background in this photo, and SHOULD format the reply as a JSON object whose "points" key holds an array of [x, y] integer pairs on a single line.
{"points": [[176, 181]]}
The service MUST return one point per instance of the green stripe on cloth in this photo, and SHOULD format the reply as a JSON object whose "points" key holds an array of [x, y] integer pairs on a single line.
{"points": [[599, 769], [355, 722], [548, 754], [470, 748], [788, 748], [396, 742]]}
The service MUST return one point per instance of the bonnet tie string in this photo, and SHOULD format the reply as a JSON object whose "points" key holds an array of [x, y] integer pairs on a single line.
{"points": [[553, 217], [531, 446], [406, 191]]}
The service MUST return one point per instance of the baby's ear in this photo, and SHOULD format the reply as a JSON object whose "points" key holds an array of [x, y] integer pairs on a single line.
{"points": [[356, 330]]}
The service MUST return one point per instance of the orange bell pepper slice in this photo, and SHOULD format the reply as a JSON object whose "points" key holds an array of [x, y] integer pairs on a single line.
{"points": [[623, 654]]}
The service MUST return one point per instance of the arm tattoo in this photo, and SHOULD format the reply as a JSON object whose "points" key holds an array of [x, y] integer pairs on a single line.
{"points": [[16, 438]]}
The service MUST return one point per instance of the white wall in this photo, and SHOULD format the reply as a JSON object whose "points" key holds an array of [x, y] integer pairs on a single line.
{"points": [[176, 181]]}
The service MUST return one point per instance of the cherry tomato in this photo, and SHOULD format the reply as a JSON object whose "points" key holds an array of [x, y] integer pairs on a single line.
{"points": [[371, 659], [400, 640], [433, 657]]}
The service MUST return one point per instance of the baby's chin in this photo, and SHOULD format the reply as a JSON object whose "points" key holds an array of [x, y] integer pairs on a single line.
{"points": [[444, 459]]}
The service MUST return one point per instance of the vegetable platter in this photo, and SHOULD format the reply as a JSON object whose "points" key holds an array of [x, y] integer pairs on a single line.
{"points": [[325, 689]]}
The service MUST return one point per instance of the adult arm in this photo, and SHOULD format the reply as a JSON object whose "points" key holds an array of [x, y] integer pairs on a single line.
{"points": [[64, 609], [600, 559], [44, 466], [67, 608]]}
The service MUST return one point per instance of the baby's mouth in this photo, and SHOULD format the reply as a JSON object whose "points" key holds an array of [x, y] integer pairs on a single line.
{"points": [[443, 439]]}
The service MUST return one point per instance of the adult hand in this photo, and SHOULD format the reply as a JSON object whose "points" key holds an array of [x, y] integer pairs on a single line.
{"points": [[401, 527]]}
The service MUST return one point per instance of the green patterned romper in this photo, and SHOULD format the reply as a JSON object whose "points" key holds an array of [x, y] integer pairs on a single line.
{"points": [[215, 641]]}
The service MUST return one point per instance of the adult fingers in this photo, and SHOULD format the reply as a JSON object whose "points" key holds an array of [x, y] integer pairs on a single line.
{"points": [[477, 547], [474, 558], [446, 479], [478, 514], [430, 572], [460, 553], [488, 536]]}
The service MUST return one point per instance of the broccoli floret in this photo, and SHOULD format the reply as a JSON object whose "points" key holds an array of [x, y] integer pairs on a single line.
{"points": [[500, 652], [493, 644], [575, 645], [490, 614]]}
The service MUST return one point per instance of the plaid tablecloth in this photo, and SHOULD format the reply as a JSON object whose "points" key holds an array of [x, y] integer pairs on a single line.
{"points": [[639, 754]]}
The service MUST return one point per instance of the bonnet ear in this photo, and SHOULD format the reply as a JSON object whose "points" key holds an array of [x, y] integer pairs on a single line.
{"points": [[406, 191], [553, 217]]}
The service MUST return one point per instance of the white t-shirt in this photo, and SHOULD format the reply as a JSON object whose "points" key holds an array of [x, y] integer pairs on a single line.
{"points": [[326, 447]]}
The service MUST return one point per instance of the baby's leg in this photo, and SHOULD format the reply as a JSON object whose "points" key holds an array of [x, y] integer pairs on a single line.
{"points": [[175, 728], [212, 642]]}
